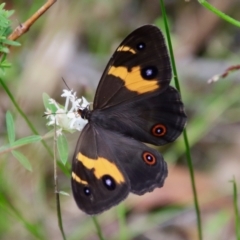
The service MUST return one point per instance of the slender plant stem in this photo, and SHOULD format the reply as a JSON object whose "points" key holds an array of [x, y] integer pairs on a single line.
{"points": [[236, 210], [24, 27], [121, 212], [9, 147], [30, 125], [219, 13], [99, 231], [28, 225], [188, 153], [43, 142], [56, 183]]}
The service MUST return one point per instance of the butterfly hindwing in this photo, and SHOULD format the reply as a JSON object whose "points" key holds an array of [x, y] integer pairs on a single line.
{"points": [[121, 164], [98, 182], [140, 66], [144, 166]]}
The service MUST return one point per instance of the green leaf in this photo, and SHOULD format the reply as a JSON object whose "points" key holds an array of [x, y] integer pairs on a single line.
{"points": [[64, 193], [9, 13], [22, 159], [46, 103], [4, 50], [10, 127], [2, 6], [10, 42], [26, 140], [5, 64], [4, 56], [2, 71], [62, 146], [4, 147]]}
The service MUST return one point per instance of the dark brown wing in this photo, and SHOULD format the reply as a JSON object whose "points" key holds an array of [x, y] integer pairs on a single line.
{"points": [[159, 119], [98, 182], [106, 166], [140, 66]]}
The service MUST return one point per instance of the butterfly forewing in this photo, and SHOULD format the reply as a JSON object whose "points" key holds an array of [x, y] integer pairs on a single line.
{"points": [[140, 66]]}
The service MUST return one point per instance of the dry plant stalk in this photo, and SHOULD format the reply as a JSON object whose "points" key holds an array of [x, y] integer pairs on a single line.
{"points": [[225, 73], [24, 27]]}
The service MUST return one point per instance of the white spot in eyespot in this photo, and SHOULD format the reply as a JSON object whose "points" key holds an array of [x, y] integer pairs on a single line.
{"points": [[149, 72]]}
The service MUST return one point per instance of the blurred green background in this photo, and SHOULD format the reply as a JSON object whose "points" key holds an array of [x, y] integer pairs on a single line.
{"points": [[74, 40]]}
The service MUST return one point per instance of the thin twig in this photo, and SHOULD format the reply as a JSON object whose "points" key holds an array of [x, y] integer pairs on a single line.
{"points": [[225, 73], [24, 27]]}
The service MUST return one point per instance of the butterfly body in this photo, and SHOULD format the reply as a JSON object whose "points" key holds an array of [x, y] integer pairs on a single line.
{"points": [[133, 105]]}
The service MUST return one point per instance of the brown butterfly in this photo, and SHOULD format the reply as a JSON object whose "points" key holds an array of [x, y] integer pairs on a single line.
{"points": [[133, 105]]}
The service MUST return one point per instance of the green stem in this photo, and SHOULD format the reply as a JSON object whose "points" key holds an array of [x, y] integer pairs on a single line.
{"points": [[44, 144], [99, 231], [24, 116], [188, 153], [219, 13], [236, 210], [59, 214], [29, 226], [121, 212]]}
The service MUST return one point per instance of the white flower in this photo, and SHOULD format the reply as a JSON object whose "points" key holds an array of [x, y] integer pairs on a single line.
{"points": [[67, 117]]}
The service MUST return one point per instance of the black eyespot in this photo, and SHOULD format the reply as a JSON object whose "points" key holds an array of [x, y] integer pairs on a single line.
{"points": [[149, 72], [87, 191], [141, 46], [109, 182], [149, 158]]}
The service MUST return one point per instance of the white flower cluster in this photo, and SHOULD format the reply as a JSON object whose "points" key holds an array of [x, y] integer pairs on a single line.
{"points": [[67, 118]]}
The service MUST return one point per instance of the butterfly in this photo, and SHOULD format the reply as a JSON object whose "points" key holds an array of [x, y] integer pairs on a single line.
{"points": [[133, 105]]}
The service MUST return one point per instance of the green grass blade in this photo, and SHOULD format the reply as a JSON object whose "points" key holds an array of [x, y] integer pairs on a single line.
{"points": [[236, 210], [10, 127], [22, 159], [33, 229], [219, 13], [188, 153]]}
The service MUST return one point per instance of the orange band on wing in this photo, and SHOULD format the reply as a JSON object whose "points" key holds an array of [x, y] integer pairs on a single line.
{"points": [[78, 179], [101, 167], [126, 49], [133, 79]]}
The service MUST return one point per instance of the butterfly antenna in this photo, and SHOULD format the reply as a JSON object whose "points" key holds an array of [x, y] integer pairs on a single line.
{"points": [[66, 84]]}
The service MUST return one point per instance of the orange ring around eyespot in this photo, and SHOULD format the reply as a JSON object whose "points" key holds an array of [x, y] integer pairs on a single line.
{"points": [[146, 160], [163, 130]]}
